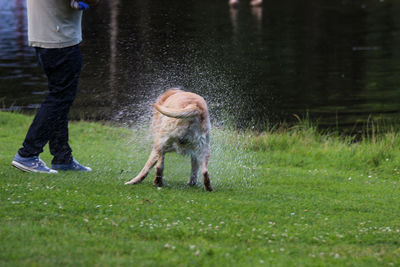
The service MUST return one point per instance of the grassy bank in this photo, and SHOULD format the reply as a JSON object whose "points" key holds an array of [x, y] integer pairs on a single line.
{"points": [[284, 198]]}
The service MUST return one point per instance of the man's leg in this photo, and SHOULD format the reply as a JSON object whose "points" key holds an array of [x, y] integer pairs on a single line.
{"points": [[64, 83]]}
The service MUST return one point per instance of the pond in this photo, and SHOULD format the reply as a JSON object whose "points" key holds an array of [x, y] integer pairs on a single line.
{"points": [[337, 62]]}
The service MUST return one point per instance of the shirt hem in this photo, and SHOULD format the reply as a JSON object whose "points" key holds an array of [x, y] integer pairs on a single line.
{"points": [[54, 45]]}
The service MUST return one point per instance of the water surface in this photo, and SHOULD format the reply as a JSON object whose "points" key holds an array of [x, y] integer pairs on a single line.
{"points": [[337, 61]]}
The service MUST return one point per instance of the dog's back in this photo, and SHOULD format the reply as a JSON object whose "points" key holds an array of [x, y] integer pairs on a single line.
{"points": [[181, 122], [178, 104]]}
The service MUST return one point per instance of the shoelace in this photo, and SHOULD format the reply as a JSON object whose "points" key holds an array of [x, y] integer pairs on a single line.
{"points": [[39, 161]]}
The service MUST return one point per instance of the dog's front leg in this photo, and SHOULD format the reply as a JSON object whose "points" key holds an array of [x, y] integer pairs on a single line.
{"points": [[195, 171], [147, 167], [158, 181]]}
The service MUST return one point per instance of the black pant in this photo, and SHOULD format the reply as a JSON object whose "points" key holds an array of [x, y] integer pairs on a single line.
{"points": [[62, 67]]}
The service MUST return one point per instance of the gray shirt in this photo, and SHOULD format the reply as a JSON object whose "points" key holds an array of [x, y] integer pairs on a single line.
{"points": [[53, 24]]}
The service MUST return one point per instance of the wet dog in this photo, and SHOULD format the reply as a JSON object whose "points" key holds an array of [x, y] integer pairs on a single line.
{"points": [[181, 123]]}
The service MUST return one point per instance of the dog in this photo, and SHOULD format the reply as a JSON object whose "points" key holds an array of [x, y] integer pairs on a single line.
{"points": [[181, 123]]}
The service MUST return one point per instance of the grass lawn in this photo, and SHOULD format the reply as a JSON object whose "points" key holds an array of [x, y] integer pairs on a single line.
{"points": [[281, 198]]}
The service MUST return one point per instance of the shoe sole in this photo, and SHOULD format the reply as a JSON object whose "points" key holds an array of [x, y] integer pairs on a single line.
{"points": [[71, 170], [87, 169], [26, 169]]}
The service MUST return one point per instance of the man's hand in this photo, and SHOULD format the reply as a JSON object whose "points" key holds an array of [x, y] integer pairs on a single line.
{"points": [[83, 5]]}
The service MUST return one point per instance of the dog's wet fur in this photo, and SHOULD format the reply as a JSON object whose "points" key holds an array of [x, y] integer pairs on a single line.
{"points": [[181, 123]]}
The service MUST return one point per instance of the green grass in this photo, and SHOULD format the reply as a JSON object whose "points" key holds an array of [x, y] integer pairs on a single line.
{"points": [[291, 197]]}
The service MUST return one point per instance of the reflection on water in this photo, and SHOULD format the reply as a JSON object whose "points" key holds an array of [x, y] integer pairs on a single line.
{"points": [[19, 77], [338, 61]]}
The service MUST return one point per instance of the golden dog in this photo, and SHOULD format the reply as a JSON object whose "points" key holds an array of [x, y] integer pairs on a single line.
{"points": [[181, 123]]}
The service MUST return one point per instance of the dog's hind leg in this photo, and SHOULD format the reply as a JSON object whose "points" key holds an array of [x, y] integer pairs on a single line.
{"points": [[204, 171], [158, 181], [194, 172], [154, 156]]}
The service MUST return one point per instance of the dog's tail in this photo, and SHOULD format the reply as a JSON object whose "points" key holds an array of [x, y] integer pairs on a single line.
{"points": [[187, 112]]}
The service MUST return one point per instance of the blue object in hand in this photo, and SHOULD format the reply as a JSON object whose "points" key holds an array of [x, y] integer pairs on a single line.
{"points": [[83, 6]]}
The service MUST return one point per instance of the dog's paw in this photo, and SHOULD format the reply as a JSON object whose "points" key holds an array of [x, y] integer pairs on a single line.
{"points": [[208, 187], [158, 182], [133, 181], [191, 183]]}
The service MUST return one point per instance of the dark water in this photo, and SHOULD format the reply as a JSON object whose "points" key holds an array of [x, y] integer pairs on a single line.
{"points": [[338, 61]]}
